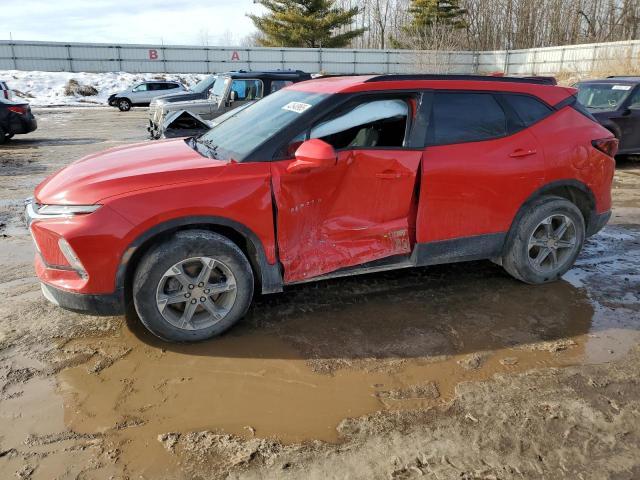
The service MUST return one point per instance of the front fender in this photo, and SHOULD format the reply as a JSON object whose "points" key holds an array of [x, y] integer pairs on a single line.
{"points": [[238, 198]]}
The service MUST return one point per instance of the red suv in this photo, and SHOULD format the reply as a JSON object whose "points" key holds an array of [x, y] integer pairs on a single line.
{"points": [[330, 177]]}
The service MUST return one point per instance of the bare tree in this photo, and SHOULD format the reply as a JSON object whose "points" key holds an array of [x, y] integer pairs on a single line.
{"points": [[507, 24]]}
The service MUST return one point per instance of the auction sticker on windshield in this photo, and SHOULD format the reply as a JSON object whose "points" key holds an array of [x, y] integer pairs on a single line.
{"points": [[297, 107], [621, 87]]}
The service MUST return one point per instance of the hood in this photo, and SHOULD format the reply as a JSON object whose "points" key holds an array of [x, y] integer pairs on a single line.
{"points": [[126, 169], [181, 104], [600, 114], [179, 97]]}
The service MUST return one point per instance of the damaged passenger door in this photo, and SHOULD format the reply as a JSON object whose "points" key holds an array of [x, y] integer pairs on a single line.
{"points": [[348, 195]]}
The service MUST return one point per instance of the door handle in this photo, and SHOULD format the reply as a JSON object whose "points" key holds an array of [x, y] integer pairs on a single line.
{"points": [[522, 153]]}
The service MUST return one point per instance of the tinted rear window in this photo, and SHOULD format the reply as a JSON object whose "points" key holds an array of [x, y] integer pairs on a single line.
{"points": [[465, 117], [527, 108]]}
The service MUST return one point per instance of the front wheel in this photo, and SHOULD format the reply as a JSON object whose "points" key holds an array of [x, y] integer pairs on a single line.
{"points": [[192, 287], [124, 105], [546, 241]]}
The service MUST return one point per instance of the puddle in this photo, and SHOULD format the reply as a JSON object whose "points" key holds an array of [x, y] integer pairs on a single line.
{"points": [[303, 361], [295, 369]]}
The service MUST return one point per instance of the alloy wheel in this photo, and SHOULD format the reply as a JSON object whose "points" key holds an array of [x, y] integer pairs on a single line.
{"points": [[196, 293], [552, 243]]}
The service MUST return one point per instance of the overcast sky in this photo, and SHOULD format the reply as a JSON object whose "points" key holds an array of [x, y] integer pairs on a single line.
{"points": [[133, 21]]}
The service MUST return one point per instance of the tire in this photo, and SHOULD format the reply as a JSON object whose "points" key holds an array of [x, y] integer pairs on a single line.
{"points": [[3, 136], [9, 136], [124, 104], [158, 288], [529, 254]]}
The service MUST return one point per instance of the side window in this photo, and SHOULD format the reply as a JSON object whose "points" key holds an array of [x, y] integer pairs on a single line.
{"points": [[377, 123], [170, 86], [279, 84], [527, 108], [155, 86], [141, 88], [247, 89], [634, 101], [465, 117]]}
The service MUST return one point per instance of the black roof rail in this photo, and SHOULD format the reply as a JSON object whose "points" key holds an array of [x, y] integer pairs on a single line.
{"points": [[333, 75], [477, 78], [623, 76]]}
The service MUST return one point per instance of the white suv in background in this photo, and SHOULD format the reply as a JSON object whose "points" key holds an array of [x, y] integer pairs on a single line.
{"points": [[5, 92], [142, 93]]}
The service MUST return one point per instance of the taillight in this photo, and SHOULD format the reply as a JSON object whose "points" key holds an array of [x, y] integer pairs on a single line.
{"points": [[20, 110], [608, 146]]}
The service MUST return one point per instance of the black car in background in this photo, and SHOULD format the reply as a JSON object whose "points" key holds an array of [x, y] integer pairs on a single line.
{"points": [[15, 118], [615, 103]]}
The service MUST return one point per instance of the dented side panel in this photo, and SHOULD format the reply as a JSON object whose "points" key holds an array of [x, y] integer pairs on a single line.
{"points": [[352, 213]]}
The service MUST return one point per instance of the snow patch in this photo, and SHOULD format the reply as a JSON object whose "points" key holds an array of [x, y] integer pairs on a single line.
{"points": [[46, 89]]}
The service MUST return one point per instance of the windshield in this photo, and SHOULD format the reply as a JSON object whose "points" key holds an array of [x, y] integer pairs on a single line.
{"points": [[602, 96], [242, 132], [204, 84], [219, 86]]}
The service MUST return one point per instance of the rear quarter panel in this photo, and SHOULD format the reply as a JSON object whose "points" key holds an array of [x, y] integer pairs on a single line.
{"points": [[566, 139]]}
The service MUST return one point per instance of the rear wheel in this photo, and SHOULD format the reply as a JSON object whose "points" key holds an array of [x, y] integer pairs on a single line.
{"points": [[192, 287], [546, 241], [3, 136], [124, 104]]}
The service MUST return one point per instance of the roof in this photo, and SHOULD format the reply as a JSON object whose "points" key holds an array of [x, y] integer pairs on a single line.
{"points": [[160, 81], [268, 74], [541, 88]]}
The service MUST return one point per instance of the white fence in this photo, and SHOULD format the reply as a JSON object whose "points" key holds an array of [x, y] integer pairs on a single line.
{"points": [[97, 57]]}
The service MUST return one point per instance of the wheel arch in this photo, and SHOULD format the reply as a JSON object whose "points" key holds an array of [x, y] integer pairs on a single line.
{"points": [[117, 100], [613, 128], [268, 276], [573, 190]]}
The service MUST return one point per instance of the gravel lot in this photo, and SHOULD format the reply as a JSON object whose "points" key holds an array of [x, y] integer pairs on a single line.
{"points": [[450, 372]]}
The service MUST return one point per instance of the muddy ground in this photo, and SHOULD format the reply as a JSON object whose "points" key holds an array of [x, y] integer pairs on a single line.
{"points": [[450, 372]]}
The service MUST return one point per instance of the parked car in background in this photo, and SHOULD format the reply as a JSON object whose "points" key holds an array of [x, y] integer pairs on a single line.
{"points": [[230, 90], [141, 94], [15, 118], [200, 91], [615, 103], [5, 91], [327, 178]]}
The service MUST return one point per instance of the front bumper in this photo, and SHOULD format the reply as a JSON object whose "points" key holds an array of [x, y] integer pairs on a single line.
{"points": [[104, 304], [97, 240], [155, 121]]}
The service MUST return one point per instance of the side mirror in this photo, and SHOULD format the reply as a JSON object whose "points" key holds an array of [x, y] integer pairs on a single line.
{"points": [[626, 112], [311, 155]]}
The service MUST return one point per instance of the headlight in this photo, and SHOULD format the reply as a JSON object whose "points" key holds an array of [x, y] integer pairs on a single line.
{"points": [[66, 210]]}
